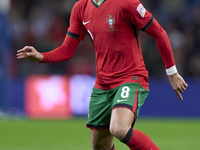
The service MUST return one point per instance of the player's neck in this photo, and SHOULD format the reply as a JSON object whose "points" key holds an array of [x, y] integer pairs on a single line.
{"points": [[98, 2]]}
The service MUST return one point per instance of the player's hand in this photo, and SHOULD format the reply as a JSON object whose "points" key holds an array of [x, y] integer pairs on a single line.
{"points": [[30, 53], [178, 84]]}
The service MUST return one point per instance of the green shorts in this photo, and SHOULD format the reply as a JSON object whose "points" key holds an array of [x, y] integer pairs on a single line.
{"points": [[102, 102]]}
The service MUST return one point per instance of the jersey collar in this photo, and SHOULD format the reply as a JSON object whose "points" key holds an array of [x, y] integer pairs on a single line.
{"points": [[96, 5]]}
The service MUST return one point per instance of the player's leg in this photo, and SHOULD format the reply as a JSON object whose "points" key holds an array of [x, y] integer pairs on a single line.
{"points": [[127, 102], [101, 139], [99, 119], [121, 121], [121, 128]]}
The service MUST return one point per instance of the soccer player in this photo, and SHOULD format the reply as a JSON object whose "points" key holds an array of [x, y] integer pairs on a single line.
{"points": [[121, 85]]}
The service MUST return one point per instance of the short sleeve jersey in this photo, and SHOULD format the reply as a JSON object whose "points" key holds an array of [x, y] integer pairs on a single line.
{"points": [[114, 28]]}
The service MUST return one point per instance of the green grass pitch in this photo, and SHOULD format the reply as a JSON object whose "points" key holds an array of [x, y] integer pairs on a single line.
{"points": [[25, 134]]}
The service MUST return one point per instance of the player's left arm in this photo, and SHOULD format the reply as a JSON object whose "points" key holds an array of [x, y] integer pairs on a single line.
{"points": [[159, 34]]}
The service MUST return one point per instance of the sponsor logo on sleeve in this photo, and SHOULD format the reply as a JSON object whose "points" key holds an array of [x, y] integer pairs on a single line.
{"points": [[141, 10]]}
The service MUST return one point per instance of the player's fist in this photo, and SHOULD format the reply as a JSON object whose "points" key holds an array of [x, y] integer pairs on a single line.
{"points": [[30, 53]]}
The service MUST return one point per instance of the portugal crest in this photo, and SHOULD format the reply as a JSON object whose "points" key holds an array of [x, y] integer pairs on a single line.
{"points": [[111, 21]]}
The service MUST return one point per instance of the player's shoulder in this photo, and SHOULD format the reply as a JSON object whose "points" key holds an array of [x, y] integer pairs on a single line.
{"points": [[80, 3], [79, 6], [131, 3]]}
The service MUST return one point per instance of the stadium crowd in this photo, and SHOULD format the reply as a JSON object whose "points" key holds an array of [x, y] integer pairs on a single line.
{"points": [[43, 24]]}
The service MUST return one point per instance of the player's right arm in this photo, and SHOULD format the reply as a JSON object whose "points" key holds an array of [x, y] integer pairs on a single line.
{"points": [[62, 53], [75, 33]]}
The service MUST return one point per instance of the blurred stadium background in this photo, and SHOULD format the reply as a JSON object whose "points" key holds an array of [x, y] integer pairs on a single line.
{"points": [[33, 95]]}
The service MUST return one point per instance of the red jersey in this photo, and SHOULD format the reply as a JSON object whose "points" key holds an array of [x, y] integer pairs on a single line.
{"points": [[114, 28]]}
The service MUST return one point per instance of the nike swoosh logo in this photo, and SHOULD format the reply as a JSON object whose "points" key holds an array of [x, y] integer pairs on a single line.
{"points": [[84, 23], [118, 101]]}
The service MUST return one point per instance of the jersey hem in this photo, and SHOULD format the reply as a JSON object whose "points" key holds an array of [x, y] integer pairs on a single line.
{"points": [[144, 83]]}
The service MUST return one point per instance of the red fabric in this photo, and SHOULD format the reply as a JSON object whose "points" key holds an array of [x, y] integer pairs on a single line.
{"points": [[141, 141], [162, 40], [62, 53], [116, 39], [115, 35], [130, 12]]}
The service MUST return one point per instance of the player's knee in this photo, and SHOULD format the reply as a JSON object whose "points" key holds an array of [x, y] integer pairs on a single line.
{"points": [[118, 132]]}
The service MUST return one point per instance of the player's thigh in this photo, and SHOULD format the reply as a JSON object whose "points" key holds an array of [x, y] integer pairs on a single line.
{"points": [[121, 121], [122, 117], [101, 139]]}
